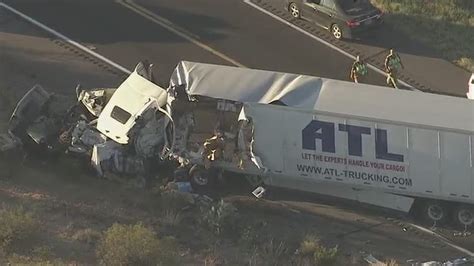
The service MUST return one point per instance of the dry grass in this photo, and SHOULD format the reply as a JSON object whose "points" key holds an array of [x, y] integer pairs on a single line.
{"points": [[312, 252], [467, 63], [221, 217], [391, 262], [309, 245], [16, 225], [88, 236], [274, 253], [445, 25], [171, 217], [135, 245], [16, 259]]}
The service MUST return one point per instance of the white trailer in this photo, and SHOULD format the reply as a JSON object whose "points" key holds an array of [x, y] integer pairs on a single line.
{"points": [[373, 144]]}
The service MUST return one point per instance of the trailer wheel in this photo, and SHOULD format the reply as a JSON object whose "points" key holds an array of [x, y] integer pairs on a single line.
{"points": [[434, 211], [464, 216], [198, 176]]}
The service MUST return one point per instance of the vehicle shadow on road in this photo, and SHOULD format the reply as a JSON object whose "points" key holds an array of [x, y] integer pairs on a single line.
{"points": [[105, 22]]}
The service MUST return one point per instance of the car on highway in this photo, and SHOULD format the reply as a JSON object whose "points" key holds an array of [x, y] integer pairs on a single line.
{"points": [[343, 18]]}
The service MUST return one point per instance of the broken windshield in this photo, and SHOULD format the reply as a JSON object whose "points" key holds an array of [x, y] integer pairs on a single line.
{"points": [[120, 115]]}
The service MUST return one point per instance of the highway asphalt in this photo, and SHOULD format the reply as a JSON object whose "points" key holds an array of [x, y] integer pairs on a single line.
{"points": [[230, 27], [125, 44]]}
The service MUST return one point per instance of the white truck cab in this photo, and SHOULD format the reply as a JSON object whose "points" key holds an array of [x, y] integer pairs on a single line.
{"points": [[134, 96], [470, 93]]}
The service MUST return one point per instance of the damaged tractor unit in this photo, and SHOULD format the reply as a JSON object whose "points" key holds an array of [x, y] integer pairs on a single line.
{"points": [[119, 129], [132, 121]]}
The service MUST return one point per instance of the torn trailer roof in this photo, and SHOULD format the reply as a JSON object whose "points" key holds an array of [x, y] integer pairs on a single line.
{"points": [[322, 94]]}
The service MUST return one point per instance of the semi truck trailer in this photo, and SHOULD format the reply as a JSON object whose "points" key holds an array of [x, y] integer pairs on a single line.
{"points": [[403, 150]]}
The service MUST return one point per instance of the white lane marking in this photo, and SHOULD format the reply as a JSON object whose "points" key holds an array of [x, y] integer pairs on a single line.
{"points": [[175, 29], [446, 241], [66, 39], [249, 2]]}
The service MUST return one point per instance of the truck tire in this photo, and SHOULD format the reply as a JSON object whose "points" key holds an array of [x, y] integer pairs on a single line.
{"points": [[434, 211], [463, 216], [200, 177]]}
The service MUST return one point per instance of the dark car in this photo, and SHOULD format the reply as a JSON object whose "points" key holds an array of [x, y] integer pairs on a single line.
{"points": [[343, 18]]}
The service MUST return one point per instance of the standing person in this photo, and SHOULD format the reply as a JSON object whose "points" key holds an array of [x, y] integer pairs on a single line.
{"points": [[358, 70], [393, 63]]}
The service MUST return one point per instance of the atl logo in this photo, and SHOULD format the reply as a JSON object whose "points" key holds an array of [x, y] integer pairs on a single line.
{"points": [[326, 133]]}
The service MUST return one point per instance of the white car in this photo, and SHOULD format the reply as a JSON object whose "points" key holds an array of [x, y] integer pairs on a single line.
{"points": [[470, 93]]}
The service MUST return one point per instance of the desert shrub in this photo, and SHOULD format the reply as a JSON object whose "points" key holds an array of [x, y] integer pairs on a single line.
{"points": [[171, 217], [309, 245], [171, 206], [16, 259], [467, 63], [253, 234], [168, 253], [43, 252], [16, 224], [220, 217], [174, 201], [135, 245], [274, 253], [212, 260], [391, 262], [325, 256], [312, 252]]}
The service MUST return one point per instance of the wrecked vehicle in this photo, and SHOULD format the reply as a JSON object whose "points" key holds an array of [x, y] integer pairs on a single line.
{"points": [[39, 117], [273, 129], [325, 136], [119, 129]]}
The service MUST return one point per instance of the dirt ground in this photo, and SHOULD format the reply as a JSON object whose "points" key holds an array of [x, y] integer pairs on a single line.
{"points": [[66, 199]]}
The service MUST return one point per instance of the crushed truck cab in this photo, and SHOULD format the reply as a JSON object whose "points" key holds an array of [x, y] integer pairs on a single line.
{"points": [[132, 98]]}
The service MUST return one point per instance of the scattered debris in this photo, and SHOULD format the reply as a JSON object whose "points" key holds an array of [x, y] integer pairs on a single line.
{"points": [[9, 142], [455, 262], [94, 100], [371, 260], [258, 192], [84, 137], [180, 186]]}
